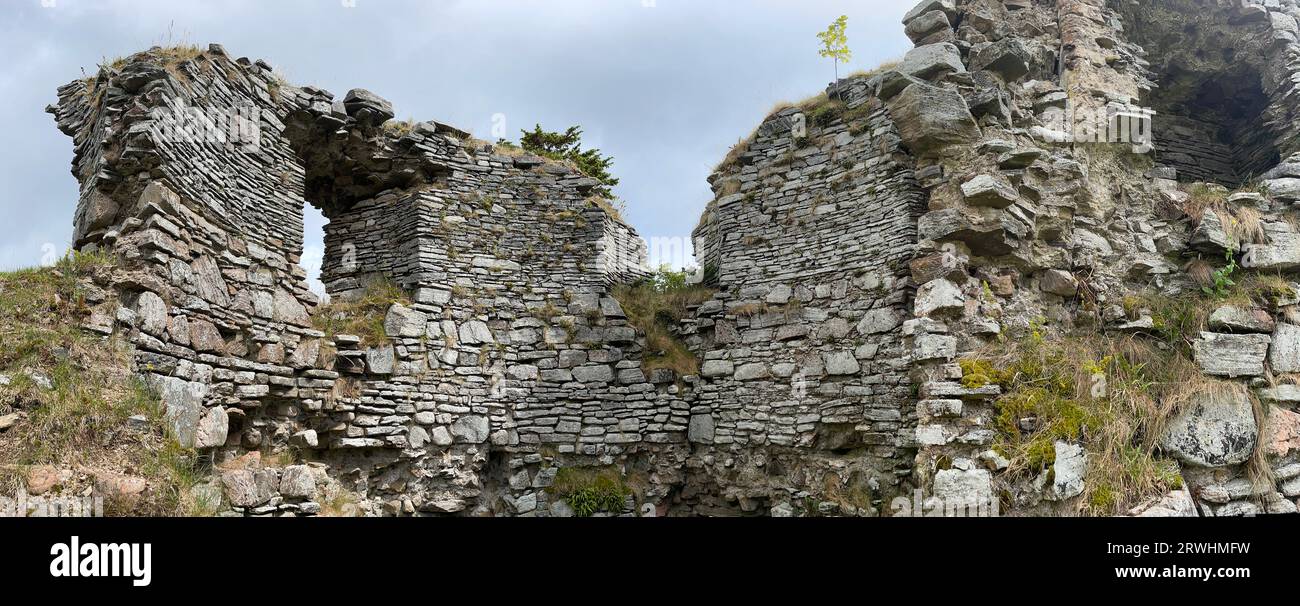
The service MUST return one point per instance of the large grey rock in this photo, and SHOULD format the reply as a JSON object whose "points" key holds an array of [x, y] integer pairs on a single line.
{"points": [[1235, 319], [367, 107], [1287, 188], [151, 313], [1218, 429], [1058, 282], [182, 406], [248, 488], [985, 240], [948, 7], [701, 429], [1211, 237], [879, 321], [989, 191], [402, 321], [1227, 355], [931, 118], [471, 429], [475, 332], [842, 363], [1069, 472], [1284, 356], [932, 60], [213, 429], [925, 27], [717, 368], [964, 490], [1282, 252], [297, 481], [381, 360], [1007, 57], [939, 298], [601, 373]]}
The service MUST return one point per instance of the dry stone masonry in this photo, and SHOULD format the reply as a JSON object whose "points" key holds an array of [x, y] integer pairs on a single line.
{"points": [[862, 247]]}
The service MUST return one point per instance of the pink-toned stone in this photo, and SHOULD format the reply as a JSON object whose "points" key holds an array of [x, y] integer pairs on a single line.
{"points": [[1282, 434]]}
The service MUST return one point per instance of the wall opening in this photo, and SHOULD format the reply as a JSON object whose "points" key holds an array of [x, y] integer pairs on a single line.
{"points": [[1206, 71]]}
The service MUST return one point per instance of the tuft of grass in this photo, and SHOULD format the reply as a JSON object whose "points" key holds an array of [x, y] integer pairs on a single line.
{"points": [[399, 128], [656, 307], [614, 208], [591, 490], [362, 316], [879, 69]]}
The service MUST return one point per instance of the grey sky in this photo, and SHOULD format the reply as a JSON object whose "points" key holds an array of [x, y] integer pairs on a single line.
{"points": [[666, 89]]}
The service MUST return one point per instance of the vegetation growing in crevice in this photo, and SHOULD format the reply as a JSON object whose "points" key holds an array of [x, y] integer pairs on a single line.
{"points": [[77, 404], [591, 490], [656, 307], [1114, 396], [362, 316]]}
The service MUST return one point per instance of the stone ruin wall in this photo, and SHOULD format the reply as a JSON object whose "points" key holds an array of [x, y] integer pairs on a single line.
{"points": [[808, 242], [1024, 229], [855, 265], [511, 361]]}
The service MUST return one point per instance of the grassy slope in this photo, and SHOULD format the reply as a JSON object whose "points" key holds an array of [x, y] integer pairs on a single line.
{"points": [[75, 397]]}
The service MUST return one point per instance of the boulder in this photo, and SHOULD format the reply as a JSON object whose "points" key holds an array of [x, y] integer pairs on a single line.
{"points": [[183, 406], [1286, 188], [842, 363], [205, 338], [1235, 319], [717, 368], [367, 107], [1281, 432], [471, 429], [939, 298], [1217, 429], [879, 321], [989, 191], [924, 28], [700, 429], [948, 7], [1058, 282], [212, 429], [1007, 57], [151, 314], [931, 118], [381, 360], [964, 490], [1284, 356], [1210, 236], [1069, 471], [1228, 355], [298, 482], [932, 61], [1282, 252]]}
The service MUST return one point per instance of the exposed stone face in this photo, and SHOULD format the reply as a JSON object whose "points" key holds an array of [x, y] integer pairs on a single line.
{"points": [[1217, 430], [1232, 355], [931, 118]]}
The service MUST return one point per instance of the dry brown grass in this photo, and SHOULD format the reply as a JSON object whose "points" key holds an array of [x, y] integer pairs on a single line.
{"points": [[1243, 224], [657, 312], [363, 316]]}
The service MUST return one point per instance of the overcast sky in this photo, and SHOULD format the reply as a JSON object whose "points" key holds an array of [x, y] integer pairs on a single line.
{"points": [[664, 86]]}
